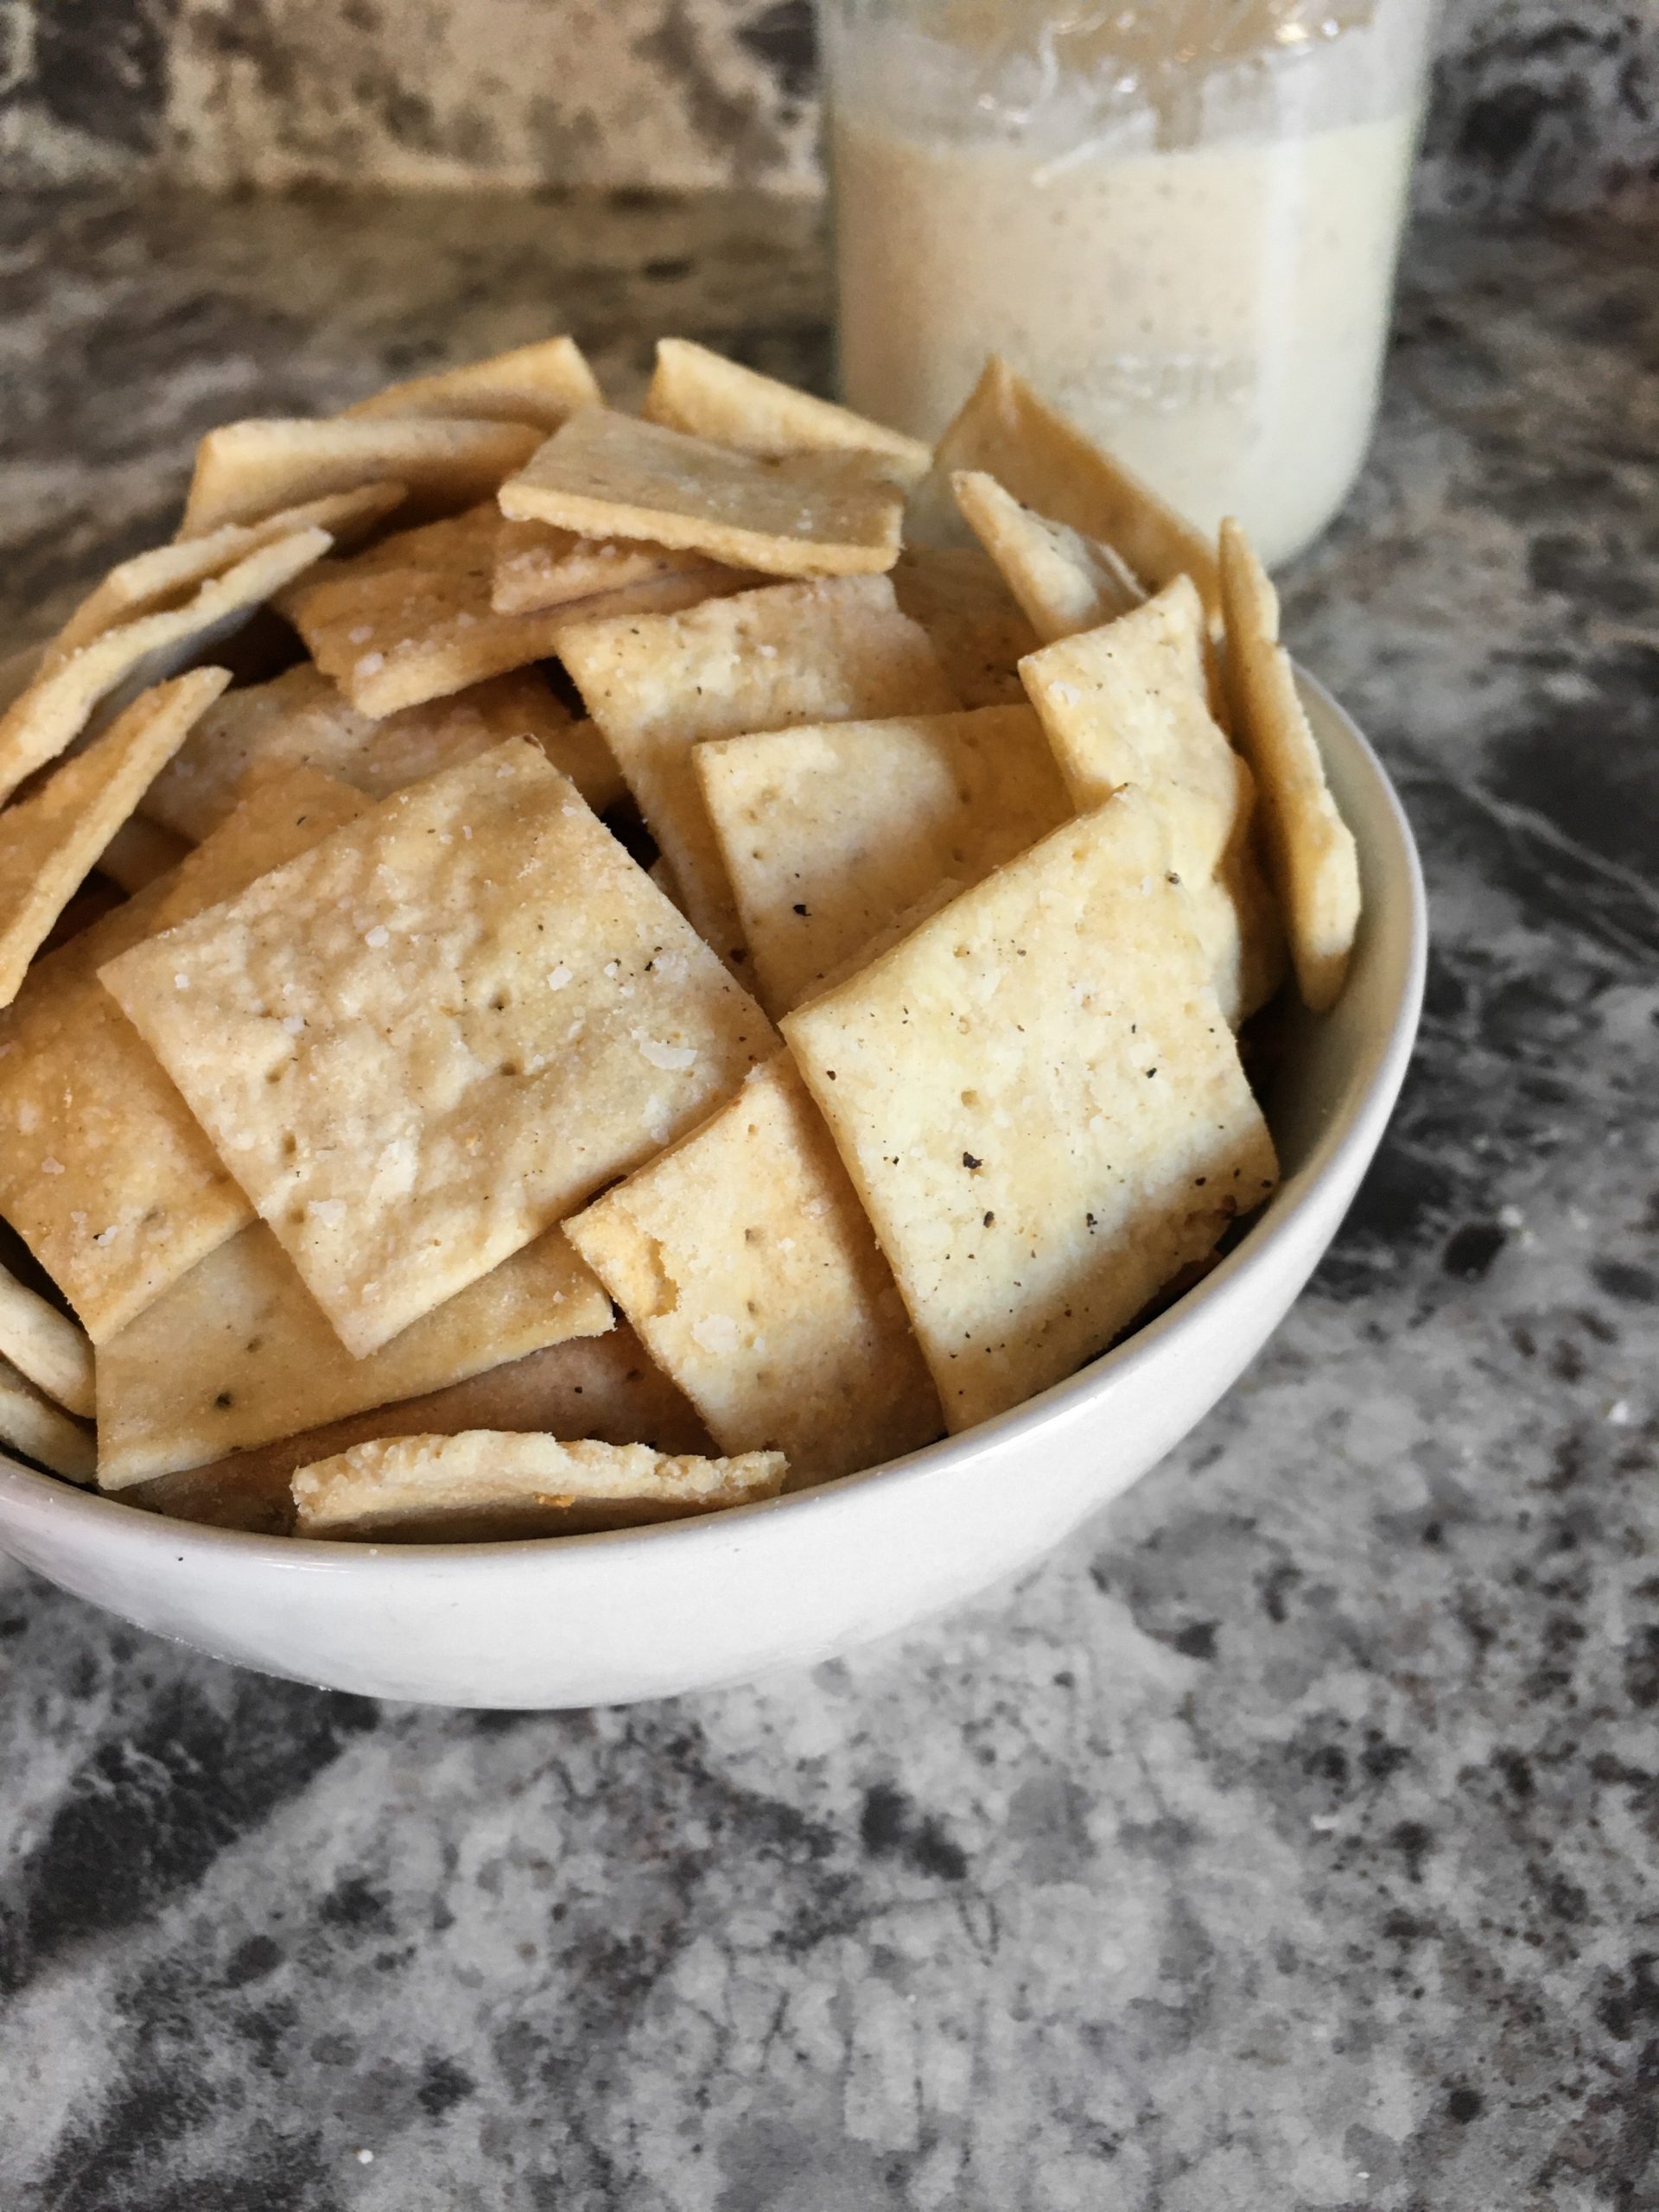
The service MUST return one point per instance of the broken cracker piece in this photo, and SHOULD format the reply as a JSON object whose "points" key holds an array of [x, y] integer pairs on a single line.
{"points": [[603, 1387], [495, 1485]]}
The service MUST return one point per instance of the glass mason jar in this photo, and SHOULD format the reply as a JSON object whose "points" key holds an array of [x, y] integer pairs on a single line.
{"points": [[1180, 220]]}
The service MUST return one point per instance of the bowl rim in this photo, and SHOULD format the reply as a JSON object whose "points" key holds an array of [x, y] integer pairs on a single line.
{"points": [[1354, 1127]]}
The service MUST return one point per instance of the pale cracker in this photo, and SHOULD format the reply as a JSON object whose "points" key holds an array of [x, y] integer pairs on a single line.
{"points": [[104, 1171], [539, 384], [239, 1353], [704, 393], [1045, 461], [1064, 580], [301, 718], [40, 1431], [605, 1388], [977, 629], [743, 1258], [1125, 703], [51, 839], [1041, 1106], [247, 470], [1312, 856], [829, 829], [821, 651], [158, 579], [55, 1355], [58, 706], [609, 476], [141, 850], [429, 1039], [412, 620], [499, 1484], [538, 565]]}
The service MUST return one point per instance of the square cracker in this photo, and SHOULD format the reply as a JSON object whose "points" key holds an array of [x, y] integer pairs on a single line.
{"points": [[412, 619], [1006, 430], [829, 829], [301, 720], [537, 565], [246, 470], [51, 839], [745, 1262], [54, 1354], [104, 1171], [436, 1033], [810, 514], [820, 651], [492, 1483], [1125, 703], [704, 393], [34, 1426], [239, 1353], [978, 631], [540, 384], [152, 582], [46, 718], [604, 1386], [1064, 580], [1312, 856], [1041, 1107]]}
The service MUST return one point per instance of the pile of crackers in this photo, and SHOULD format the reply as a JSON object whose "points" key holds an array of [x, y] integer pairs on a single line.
{"points": [[562, 968]]}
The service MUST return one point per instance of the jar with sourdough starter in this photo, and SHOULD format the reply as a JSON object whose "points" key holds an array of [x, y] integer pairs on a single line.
{"points": [[1179, 220]]}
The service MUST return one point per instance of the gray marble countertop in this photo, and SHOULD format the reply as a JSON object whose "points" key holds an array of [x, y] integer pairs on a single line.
{"points": [[1286, 1840]]}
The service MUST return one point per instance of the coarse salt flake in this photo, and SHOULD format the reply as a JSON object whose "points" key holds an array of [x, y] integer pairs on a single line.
{"points": [[558, 977], [369, 664], [378, 935], [675, 1057]]}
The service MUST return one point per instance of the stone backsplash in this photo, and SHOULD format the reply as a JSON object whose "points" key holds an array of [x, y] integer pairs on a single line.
{"points": [[1537, 103]]}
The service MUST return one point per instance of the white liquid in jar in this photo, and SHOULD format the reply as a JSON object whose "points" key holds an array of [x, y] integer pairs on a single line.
{"points": [[1214, 314]]}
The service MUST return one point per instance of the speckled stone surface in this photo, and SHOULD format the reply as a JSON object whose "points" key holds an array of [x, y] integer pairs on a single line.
{"points": [[1543, 102], [1289, 1839]]}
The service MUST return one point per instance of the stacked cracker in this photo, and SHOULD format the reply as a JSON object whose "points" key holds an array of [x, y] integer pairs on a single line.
{"points": [[346, 1135]]}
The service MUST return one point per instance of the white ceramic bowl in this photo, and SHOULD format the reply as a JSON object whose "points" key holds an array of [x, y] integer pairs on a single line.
{"points": [[602, 1620]]}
